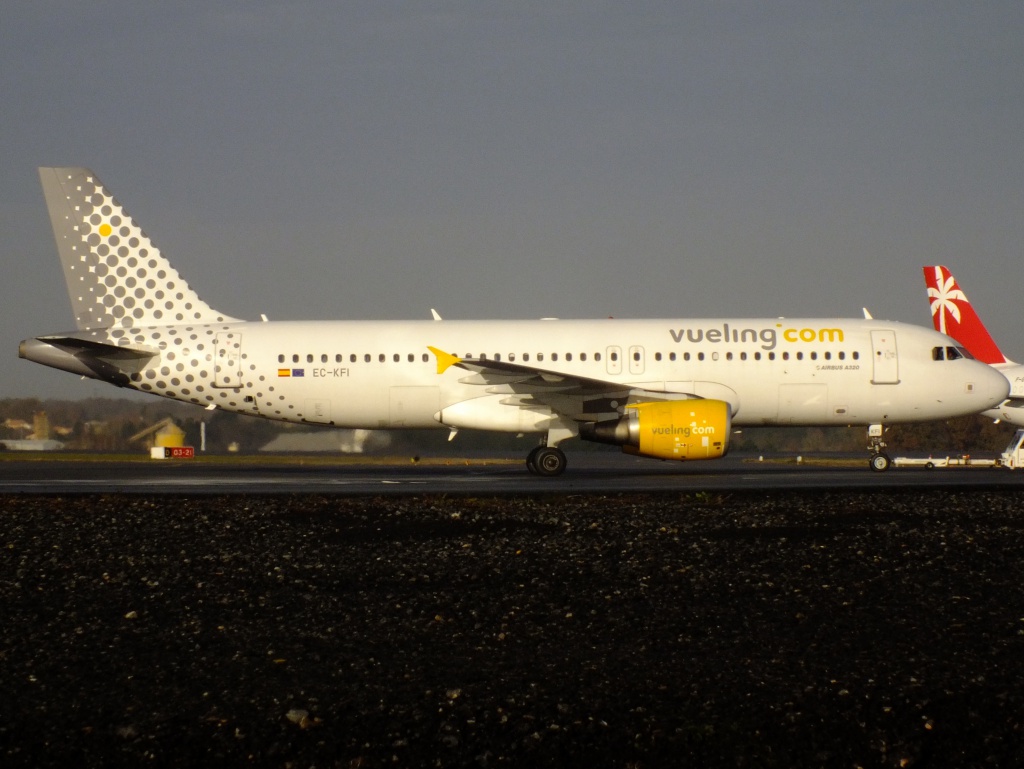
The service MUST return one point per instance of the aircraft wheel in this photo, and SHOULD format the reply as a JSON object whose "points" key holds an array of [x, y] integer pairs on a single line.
{"points": [[531, 460], [548, 461], [880, 462]]}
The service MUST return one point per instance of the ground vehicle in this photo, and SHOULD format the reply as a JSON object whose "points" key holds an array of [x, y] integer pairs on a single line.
{"points": [[1012, 458]]}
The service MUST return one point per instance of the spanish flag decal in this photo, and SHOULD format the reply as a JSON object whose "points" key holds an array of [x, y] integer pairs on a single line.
{"points": [[284, 372]]}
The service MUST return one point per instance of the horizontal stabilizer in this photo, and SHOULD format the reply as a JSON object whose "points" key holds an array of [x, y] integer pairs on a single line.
{"points": [[86, 357], [99, 349]]}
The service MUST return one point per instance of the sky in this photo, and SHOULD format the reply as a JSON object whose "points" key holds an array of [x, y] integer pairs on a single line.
{"points": [[323, 160]]}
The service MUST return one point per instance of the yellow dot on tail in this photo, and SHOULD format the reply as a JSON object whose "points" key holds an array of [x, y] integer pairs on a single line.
{"points": [[105, 229]]}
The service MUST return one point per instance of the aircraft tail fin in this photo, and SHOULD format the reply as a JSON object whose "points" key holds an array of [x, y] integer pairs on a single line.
{"points": [[116, 277], [953, 314]]}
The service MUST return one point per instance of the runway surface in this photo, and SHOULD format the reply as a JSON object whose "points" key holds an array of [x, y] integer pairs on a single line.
{"points": [[587, 473]]}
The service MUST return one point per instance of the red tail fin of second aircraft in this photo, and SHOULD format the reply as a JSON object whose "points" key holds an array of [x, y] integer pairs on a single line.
{"points": [[952, 314]]}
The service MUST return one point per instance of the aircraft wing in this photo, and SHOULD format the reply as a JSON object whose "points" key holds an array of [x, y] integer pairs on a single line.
{"points": [[573, 396]]}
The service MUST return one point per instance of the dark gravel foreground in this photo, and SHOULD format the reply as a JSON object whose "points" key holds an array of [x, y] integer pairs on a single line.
{"points": [[743, 630]]}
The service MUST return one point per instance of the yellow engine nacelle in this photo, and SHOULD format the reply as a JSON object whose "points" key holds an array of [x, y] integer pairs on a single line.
{"points": [[686, 429]]}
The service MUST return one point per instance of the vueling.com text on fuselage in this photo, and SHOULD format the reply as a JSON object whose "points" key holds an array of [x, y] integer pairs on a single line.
{"points": [[768, 337]]}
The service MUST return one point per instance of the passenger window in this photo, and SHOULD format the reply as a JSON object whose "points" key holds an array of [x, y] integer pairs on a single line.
{"points": [[366, 357], [280, 358], [597, 357], [583, 356], [295, 358], [568, 356], [526, 357], [554, 356], [352, 358], [309, 357], [381, 358], [323, 357]]}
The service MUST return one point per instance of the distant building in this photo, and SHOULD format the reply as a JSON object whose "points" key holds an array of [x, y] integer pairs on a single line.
{"points": [[40, 426], [30, 444], [331, 441], [36, 440], [164, 433]]}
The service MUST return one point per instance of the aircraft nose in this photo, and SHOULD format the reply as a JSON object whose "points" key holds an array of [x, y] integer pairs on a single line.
{"points": [[990, 384]]}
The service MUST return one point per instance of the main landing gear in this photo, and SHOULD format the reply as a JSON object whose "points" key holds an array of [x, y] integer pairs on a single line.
{"points": [[879, 461], [548, 461]]}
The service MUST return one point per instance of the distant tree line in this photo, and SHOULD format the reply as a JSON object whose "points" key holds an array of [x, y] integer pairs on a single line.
{"points": [[108, 424]]}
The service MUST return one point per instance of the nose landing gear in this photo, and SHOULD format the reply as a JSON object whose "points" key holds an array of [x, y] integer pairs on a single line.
{"points": [[879, 461]]}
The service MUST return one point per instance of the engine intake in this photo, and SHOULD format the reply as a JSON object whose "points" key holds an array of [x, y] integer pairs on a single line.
{"points": [[688, 429]]}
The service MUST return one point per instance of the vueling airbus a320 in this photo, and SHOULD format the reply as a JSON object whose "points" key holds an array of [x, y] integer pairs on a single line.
{"points": [[668, 389]]}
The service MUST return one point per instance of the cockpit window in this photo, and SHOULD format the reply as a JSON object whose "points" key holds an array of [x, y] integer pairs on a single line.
{"points": [[951, 353]]}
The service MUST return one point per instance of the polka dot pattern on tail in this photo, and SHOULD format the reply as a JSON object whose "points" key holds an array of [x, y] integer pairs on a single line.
{"points": [[116, 276]]}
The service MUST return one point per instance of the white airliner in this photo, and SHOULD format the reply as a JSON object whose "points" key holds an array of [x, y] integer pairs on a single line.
{"points": [[669, 389], [952, 314]]}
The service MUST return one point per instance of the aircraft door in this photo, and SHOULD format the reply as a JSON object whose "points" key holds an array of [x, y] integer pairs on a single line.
{"points": [[886, 361], [227, 363], [636, 359]]}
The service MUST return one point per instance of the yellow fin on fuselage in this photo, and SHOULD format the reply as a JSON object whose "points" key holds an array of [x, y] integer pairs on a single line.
{"points": [[445, 360]]}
